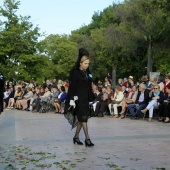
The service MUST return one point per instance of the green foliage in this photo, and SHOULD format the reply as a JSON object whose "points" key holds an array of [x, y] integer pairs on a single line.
{"points": [[112, 39]]}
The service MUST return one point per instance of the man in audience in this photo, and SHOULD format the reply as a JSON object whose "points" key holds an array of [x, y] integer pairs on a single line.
{"points": [[140, 103]]}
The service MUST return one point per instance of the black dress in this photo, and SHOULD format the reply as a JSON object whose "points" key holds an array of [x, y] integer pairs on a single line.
{"points": [[1, 92], [80, 86]]}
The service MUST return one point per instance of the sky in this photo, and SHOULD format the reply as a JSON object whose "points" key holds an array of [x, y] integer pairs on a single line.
{"points": [[61, 16]]}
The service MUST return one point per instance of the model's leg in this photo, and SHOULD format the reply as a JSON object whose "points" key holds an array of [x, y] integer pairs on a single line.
{"points": [[87, 140], [76, 137]]}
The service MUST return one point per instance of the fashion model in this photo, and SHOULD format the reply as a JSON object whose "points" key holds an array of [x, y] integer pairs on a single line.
{"points": [[81, 87]]}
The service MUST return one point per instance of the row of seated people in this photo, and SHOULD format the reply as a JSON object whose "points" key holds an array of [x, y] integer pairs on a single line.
{"points": [[138, 100], [32, 99]]}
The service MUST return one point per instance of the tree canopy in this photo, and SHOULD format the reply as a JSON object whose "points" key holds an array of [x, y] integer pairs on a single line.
{"points": [[123, 38]]}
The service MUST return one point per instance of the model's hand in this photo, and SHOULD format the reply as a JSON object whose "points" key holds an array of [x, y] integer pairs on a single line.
{"points": [[72, 103]]}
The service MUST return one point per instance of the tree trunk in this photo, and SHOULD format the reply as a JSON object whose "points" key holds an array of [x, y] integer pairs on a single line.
{"points": [[114, 76], [149, 64]]}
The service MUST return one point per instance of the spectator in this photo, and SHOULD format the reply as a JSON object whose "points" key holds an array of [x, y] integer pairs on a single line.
{"points": [[54, 94], [99, 85], [18, 101], [167, 82], [107, 82], [149, 83], [26, 97], [130, 81], [59, 84], [156, 99], [61, 98], [34, 97], [116, 101], [110, 94], [120, 81], [6, 94], [11, 95], [101, 107], [31, 84], [140, 103], [125, 82], [12, 101], [125, 92], [129, 100], [42, 98], [161, 83], [98, 96], [164, 108], [109, 77]]}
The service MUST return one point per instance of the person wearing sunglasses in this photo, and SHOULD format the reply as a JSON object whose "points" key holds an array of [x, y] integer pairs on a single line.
{"points": [[157, 98], [164, 108]]}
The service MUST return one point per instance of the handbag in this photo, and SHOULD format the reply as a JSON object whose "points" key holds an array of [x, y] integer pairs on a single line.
{"points": [[71, 117], [115, 102]]}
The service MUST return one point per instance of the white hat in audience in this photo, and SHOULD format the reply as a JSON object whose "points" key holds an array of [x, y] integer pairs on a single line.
{"points": [[130, 77]]}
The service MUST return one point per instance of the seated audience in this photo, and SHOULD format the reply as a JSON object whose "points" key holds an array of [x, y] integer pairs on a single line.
{"points": [[11, 95], [161, 83], [18, 104], [116, 101], [164, 108], [61, 98], [101, 107], [140, 103], [6, 94], [131, 98], [34, 97], [156, 99], [26, 97], [120, 81], [54, 94], [44, 98], [97, 95], [12, 101], [167, 82]]}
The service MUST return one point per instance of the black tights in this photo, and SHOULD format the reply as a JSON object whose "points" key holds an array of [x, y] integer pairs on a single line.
{"points": [[85, 128]]}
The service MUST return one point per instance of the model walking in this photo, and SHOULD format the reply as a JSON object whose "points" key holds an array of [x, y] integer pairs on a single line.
{"points": [[81, 86]]}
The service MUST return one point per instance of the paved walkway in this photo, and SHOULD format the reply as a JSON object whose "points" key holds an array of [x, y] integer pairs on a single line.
{"points": [[35, 141]]}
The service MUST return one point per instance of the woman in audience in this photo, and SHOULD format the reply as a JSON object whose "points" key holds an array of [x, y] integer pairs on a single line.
{"points": [[13, 99], [34, 97], [161, 83], [116, 101], [120, 81], [42, 98], [167, 82], [157, 98], [132, 94], [18, 101], [164, 108], [61, 98], [101, 107], [26, 97], [107, 82]]}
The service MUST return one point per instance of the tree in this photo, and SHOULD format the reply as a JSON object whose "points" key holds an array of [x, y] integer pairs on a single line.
{"points": [[18, 43], [62, 52]]}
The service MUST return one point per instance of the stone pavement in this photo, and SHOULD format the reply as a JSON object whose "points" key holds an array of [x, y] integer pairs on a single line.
{"points": [[35, 141]]}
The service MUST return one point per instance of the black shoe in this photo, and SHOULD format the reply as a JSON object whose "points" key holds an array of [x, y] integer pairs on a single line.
{"points": [[77, 140], [88, 142]]}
